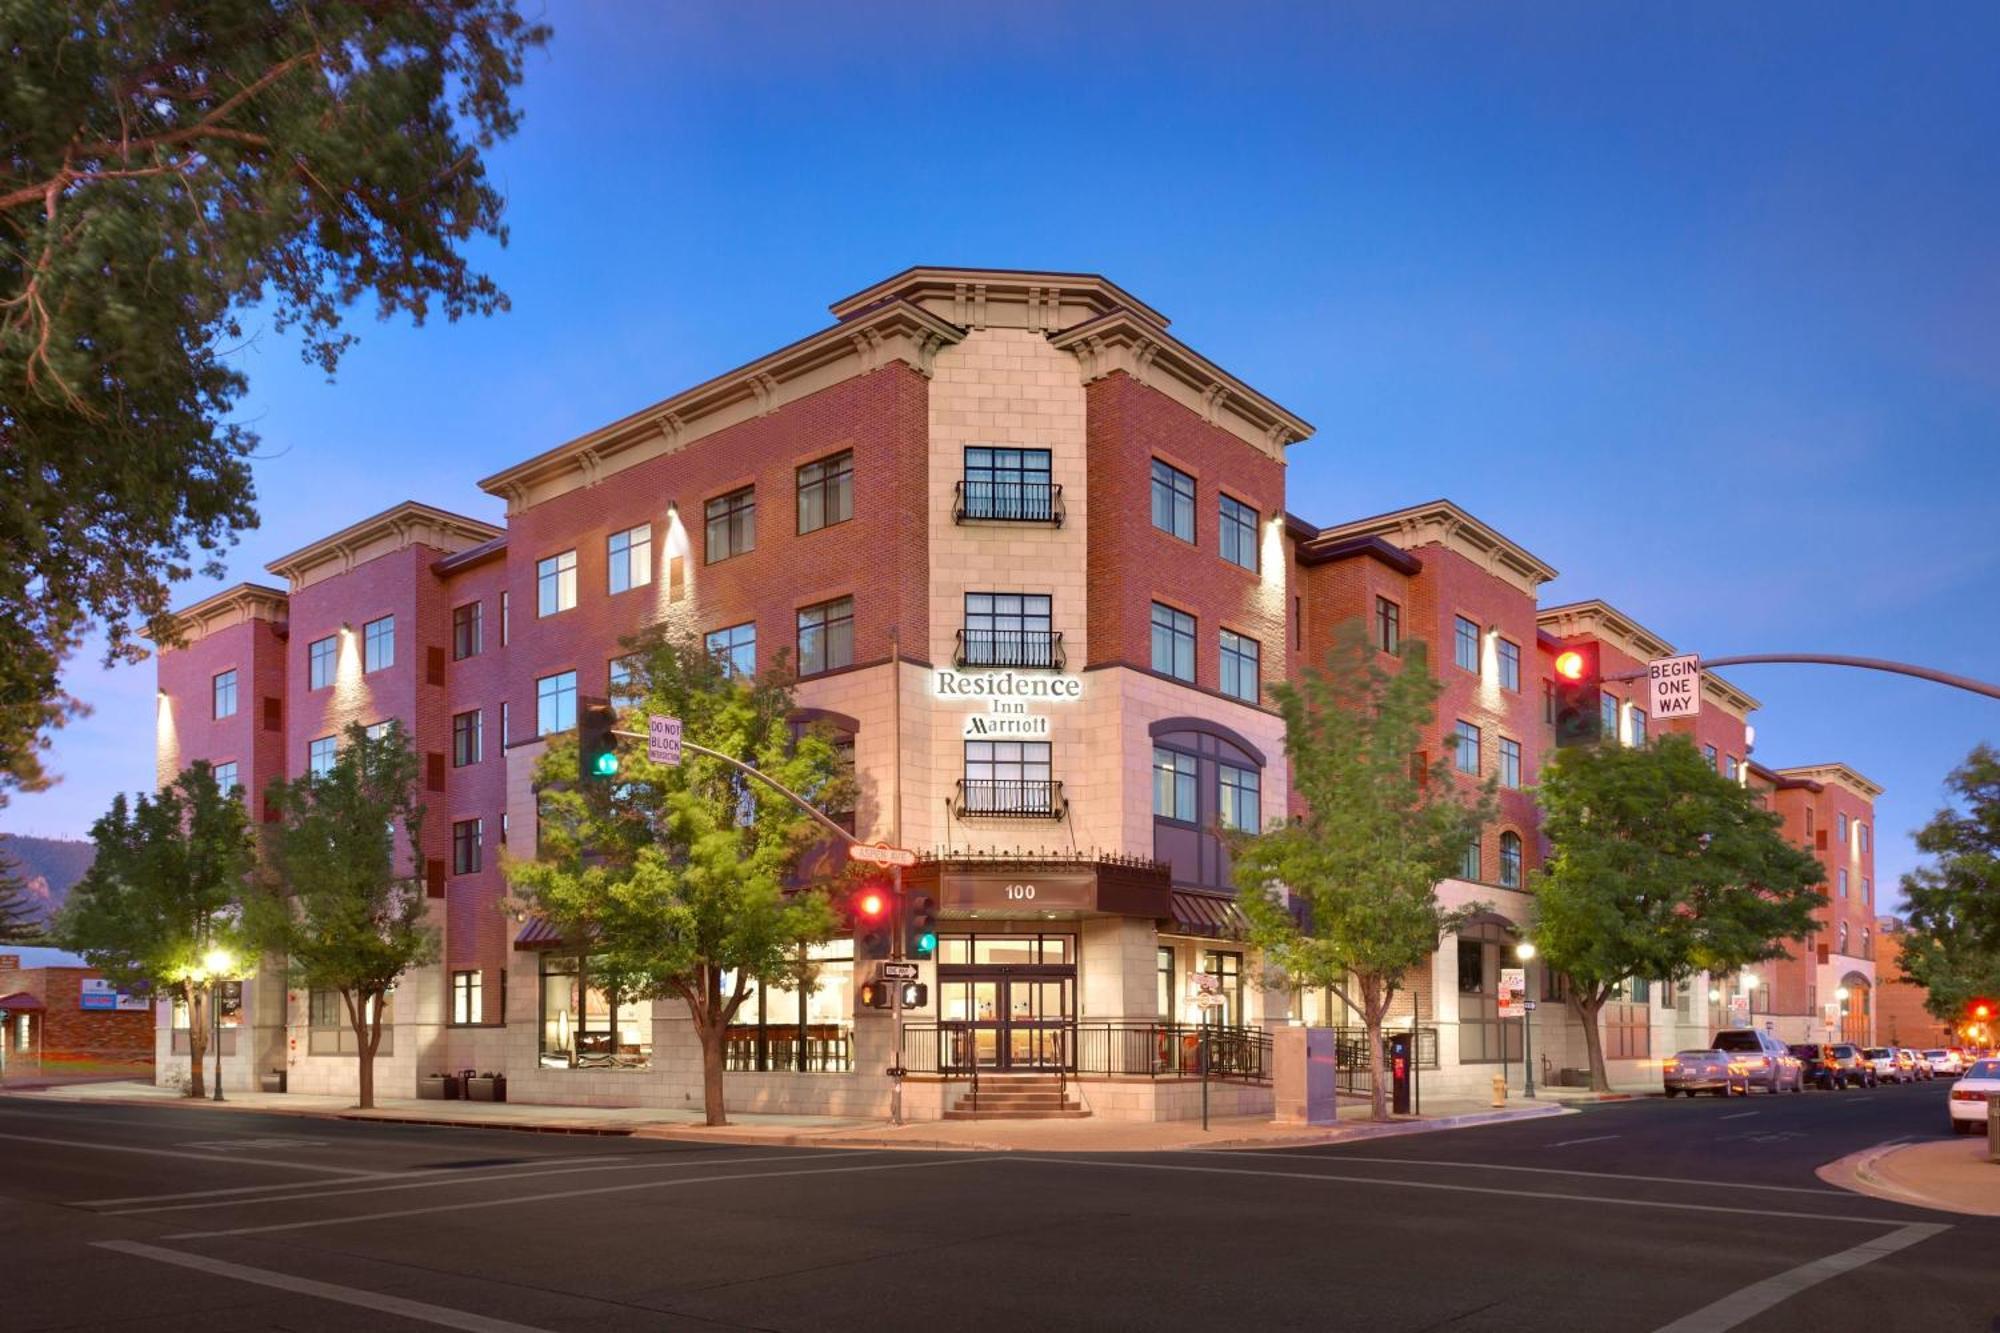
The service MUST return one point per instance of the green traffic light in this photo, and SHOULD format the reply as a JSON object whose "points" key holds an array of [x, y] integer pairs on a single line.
{"points": [[607, 763], [927, 942]]}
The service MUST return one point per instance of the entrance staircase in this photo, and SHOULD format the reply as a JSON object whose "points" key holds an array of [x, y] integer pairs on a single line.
{"points": [[1019, 1097]]}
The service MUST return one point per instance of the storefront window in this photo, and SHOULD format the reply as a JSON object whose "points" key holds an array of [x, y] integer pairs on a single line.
{"points": [[584, 1026], [1229, 967], [808, 1030], [1165, 968], [330, 1033]]}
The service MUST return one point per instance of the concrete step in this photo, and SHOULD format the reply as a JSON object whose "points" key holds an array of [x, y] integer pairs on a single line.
{"points": [[1071, 1112]]}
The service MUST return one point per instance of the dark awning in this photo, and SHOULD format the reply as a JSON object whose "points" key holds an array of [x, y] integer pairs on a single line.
{"points": [[20, 1002], [538, 932], [1214, 915]]}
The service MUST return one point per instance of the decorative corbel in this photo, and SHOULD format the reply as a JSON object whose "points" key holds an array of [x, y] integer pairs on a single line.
{"points": [[766, 390], [868, 347]]}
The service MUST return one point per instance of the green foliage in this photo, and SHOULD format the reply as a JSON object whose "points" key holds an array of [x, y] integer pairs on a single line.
{"points": [[168, 168], [1381, 830], [1660, 867], [676, 876], [20, 920], [344, 898], [1952, 944]]}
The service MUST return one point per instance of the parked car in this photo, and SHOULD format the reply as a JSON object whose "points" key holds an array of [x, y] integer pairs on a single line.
{"points": [[1920, 1068], [1820, 1068], [1855, 1069], [1765, 1061], [1944, 1062], [1703, 1071], [1969, 1095], [1888, 1069]]}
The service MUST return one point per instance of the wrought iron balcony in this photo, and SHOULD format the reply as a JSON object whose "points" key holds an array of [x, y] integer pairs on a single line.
{"points": [[1010, 798], [1007, 502], [1011, 648]]}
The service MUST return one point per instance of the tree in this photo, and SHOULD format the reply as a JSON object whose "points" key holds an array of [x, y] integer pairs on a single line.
{"points": [[166, 887], [344, 896], [675, 879], [168, 168], [1660, 867], [20, 919], [1952, 943], [1381, 828]]}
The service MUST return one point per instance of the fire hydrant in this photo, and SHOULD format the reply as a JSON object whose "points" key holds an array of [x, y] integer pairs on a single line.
{"points": [[1499, 1090]]}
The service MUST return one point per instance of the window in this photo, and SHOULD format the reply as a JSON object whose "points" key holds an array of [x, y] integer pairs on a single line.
{"points": [[1843, 882], [1465, 644], [1549, 702], [1867, 942], [465, 631], [1239, 667], [1009, 484], [504, 717], [618, 679], [467, 1000], [555, 584], [555, 703], [1510, 762], [1229, 967], [826, 492], [1843, 938], [826, 636], [321, 655], [225, 778], [1388, 626], [378, 644], [778, 1028], [1607, 713], [1510, 665], [376, 731], [1840, 830], [1469, 863], [1729, 767], [732, 524], [1809, 823], [585, 1026], [1239, 534], [467, 744], [1008, 777], [735, 648], [1465, 748], [320, 756], [1009, 629], [1173, 501], [1637, 725], [225, 695], [1174, 776], [1862, 830], [631, 558], [465, 840], [1510, 860], [1173, 643], [1241, 791], [1708, 753], [1868, 890], [505, 604], [1163, 968]]}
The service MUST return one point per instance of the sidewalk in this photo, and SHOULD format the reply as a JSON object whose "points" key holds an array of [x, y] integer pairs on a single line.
{"points": [[1086, 1135], [1952, 1175]]}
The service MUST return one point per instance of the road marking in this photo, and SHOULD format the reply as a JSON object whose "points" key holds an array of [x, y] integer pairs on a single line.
{"points": [[337, 1189], [1336, 1159], [326, 1291], [1422, 1185], [572, 1194], [237, 1145], [1595, 1138], [293, 1184], [1740, 1115], [1740, 1306], [210, 1158]]}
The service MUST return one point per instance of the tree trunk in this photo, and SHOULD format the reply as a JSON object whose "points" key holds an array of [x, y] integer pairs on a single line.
{"points": [[198, 1021], [711, 1071], [367, 1035], [1593, 1039], [1375, 999]]}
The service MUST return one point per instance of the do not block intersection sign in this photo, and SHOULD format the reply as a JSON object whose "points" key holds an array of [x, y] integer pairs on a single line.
{"points": [[1673, 686]]}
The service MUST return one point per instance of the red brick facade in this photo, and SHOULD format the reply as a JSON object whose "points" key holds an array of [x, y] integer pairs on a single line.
{"points": [[71, 1038]]}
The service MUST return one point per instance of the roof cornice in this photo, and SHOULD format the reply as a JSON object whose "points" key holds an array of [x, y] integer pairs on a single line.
{"points": [[978, 298], [406, 524], [1442, 523], [237, 605], [1321, 550], [1126, 341], [892, 331], [1604, 622], [1836, 774]]}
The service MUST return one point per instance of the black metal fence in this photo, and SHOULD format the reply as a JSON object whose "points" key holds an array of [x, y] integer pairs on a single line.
{"points": [[1350, 1054], [1106, 1049]]}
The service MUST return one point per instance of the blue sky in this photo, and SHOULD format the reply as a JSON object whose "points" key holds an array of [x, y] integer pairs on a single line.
{"points": [[1695, 302]]}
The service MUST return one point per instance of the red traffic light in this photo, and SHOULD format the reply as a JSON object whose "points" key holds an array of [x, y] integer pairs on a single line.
{"points": [[1982, 1009], [1570, 665], [872, 905]]}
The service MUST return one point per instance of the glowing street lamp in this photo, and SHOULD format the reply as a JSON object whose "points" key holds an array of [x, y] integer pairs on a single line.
{"points": [[1525, 951], [218, 962]]}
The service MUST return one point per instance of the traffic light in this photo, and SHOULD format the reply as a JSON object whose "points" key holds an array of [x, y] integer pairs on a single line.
{"points": [[596, 747], [1579, 682], [915, 995], [1981, 1010], [919, 925], [877, 995], [871, 918]]}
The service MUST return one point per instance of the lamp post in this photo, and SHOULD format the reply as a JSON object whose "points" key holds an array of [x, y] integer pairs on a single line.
{"points": [[219, 963], [1525, 951]]}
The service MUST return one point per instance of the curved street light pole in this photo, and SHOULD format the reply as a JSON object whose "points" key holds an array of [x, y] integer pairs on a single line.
{"points": [[1838, 659]]}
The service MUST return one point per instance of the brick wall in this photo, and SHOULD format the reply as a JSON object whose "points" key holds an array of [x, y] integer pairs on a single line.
{"points": [[72, 1035]]}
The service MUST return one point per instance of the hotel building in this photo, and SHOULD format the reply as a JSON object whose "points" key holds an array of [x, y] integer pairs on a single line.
{"points": [[1029, 558]]}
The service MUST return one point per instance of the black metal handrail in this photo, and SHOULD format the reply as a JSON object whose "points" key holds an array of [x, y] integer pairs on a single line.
{"points": [[1007, 502], [1010, 798], [1350, 1053], [1107, 1048], [1011, 648]]}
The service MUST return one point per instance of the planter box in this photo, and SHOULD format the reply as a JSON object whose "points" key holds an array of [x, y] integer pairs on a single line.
{"points": [[486, 1088], [438, 1088], [271, 1081]]}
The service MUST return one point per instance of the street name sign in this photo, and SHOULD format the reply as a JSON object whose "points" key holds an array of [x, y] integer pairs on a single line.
{"points": [[881, 854], [901, 971], [1673, 686], [663, 739]]}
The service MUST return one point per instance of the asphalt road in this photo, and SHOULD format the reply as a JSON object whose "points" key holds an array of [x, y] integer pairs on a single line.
{"points": [[1689, 1215]]}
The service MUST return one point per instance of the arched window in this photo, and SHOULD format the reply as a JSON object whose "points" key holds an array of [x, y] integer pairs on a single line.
{"points": [[1204, 776], [1843, 937], [1510, 860], [1867, 942]]}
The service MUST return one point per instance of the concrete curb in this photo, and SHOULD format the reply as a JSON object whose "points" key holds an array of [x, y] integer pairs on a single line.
{"points": [[1857, 1172], [320, 1113]]}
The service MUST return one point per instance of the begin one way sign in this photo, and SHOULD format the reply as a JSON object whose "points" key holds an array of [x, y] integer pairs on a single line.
{"points": [[1673, 686]]}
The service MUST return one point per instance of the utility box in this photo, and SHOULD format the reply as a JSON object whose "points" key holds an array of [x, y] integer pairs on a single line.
{"points": [[1303, 1076], [1402, 1071]]}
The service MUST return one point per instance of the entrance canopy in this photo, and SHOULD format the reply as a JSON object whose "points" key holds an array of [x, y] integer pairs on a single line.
{"points": [[20, 1002]]}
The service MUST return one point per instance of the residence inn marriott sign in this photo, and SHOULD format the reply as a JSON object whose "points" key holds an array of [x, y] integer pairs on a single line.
{"points": [[1014, 700]]}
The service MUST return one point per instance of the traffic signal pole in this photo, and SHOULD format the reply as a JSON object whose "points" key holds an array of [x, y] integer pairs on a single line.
{"points": [[1839, 659]]}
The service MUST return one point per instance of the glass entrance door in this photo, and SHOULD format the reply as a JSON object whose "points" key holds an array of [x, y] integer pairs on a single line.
{"points": [[1012, 1017]]}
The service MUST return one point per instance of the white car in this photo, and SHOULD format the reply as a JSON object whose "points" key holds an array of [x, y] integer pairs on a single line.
{"points": [[1970, 1093], [1944, 1062]]}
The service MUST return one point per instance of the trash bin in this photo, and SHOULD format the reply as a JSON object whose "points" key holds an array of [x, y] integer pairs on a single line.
{"points": [[438, 1088], [271, 1080], [486, 1088]]}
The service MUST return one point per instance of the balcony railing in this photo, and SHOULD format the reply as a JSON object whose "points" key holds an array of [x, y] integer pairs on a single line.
{"points": [[1010, 798], [1113, 1048], [1007, 502], [1011, 648]]}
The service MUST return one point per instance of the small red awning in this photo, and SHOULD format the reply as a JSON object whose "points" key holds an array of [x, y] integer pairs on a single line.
{"points": [[538, 932], [1214, 915], [20, 1002]]}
